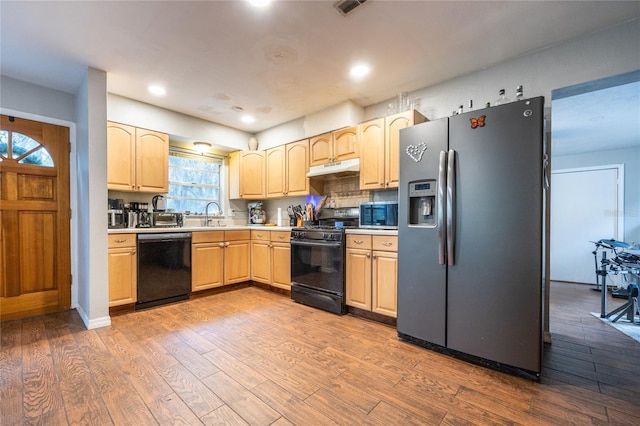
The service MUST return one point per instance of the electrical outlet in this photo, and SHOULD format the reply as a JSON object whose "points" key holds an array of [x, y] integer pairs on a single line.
{"points": [[232, 213]]}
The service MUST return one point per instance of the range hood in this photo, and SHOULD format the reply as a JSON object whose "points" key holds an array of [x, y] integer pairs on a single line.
{"points": [[339, 168]]}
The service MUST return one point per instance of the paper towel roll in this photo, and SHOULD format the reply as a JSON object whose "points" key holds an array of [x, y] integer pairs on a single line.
{"points": [[279, 218]]}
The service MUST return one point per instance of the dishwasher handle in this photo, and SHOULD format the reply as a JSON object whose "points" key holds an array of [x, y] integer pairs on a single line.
{"points": [[164, 236]]}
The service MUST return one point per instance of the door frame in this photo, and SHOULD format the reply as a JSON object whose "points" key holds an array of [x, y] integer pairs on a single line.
{"points": [[73, 190], [619, 213]]}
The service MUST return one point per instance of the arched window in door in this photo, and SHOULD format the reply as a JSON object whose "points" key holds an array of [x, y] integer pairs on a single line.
{"points": [[23, 149]]}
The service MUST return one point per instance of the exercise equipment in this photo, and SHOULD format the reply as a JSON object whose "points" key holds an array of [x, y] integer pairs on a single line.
{"points": [[626, 263]]}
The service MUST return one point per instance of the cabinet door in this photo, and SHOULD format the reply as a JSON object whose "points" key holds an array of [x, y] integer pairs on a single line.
{"points": [[372, 154], [321, 149], [358, 276], [275, 165], [385, 283], [281, 265], [261, 261], [236, 261], [121, 157], [392, 143], [252, 174], [152, 161], [207, 265], [122, 276], [297, 161], [345, 144]]}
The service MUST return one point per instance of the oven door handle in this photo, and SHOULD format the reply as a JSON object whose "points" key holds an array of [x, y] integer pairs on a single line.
{"points": [[315, 244]]}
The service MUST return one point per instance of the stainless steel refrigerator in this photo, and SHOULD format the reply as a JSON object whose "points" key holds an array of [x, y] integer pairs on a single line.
{"points": [[472, 249]]}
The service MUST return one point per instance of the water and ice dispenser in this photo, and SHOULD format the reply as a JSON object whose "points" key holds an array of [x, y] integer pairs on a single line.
{"points": [[422, 203]]}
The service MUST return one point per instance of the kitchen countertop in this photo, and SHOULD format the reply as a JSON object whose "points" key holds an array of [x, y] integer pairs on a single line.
{"points": [[360, 231], [197, 228]]}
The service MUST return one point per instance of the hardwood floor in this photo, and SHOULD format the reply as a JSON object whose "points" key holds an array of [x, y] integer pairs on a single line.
{"points": [[251, 356]]}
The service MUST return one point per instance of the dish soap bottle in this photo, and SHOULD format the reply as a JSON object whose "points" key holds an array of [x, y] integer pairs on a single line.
{"points": [[519, 93], [502, 99]]}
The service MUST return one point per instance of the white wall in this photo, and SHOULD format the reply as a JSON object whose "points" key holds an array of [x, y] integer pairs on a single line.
{"points": [[602, 54], [36, 100], [344, 114], [91, 120], [139, 114]]}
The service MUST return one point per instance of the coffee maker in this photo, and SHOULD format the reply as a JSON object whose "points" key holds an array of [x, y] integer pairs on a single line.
{"points": [[116, 217], [257, 216]]}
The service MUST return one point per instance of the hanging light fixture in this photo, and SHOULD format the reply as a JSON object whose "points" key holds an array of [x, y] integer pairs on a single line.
{"points": [[201, 146]]}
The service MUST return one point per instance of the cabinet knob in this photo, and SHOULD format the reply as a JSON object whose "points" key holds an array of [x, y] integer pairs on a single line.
{"points": [[281, 237], [381, 183], [387, 243], [358, 241], [133, 252], [259, 235], [368, 255], [374, 256], [226, 244], [120, 241], [221, 244]]}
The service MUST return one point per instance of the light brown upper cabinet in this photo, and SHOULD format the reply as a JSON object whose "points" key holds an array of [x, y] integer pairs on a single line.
{"points": [[247, 174], [287, 168], [393, 124], [372, 157], [137, 159], [379, 149], [335, 146]]}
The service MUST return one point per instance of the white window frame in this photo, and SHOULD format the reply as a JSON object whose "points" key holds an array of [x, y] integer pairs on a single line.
{"points": [[186, 153]]}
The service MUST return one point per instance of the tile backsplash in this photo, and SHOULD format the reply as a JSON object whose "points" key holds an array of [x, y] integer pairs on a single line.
{"points": [[340, 191], [345, 192]]}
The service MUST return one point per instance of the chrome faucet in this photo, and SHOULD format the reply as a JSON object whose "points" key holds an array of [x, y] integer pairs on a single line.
{"points": [[206, 212]]}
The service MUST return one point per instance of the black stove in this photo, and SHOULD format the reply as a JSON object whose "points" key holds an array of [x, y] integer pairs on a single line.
{"points": [[318, 233], [317, 262]]}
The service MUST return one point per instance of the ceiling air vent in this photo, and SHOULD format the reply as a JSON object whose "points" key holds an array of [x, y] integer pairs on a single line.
{"points": [[345, 7]]}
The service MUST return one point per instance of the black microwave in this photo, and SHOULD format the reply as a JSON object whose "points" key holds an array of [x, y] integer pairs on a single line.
{"points": [[381, 214]]}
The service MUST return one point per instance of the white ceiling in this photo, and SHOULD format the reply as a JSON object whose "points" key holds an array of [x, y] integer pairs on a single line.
{"points": [[596, 120], [282, 62]]}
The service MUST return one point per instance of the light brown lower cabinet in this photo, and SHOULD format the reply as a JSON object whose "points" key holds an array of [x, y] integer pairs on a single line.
{"points": [[219, 258], [271, 258], [122, 261], [372, 273]]}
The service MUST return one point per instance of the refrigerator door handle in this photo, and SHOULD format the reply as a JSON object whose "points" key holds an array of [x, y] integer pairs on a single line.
{"points": [[451, 207], [441, 212]]}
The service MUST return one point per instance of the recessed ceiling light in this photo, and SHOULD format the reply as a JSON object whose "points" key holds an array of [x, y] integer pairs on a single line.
{"points": [[360, 70], [157, 90], [247, 118], [259, 3]]}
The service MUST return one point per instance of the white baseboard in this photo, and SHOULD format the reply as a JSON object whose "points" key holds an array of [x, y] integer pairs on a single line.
{"points": [[93, 323]]}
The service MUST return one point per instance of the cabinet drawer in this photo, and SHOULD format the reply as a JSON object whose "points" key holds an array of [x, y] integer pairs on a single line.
{"points": [[359, 241], [241, 234], [122, 240], [260, 235], [206, 236], [385, 243], [280, 236]]}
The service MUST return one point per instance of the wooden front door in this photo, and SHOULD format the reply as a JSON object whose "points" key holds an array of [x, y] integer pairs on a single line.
{"points": [[35, 265]]}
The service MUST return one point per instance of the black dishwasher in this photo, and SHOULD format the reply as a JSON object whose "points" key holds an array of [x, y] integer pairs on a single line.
{"points": [[164, 268]]}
